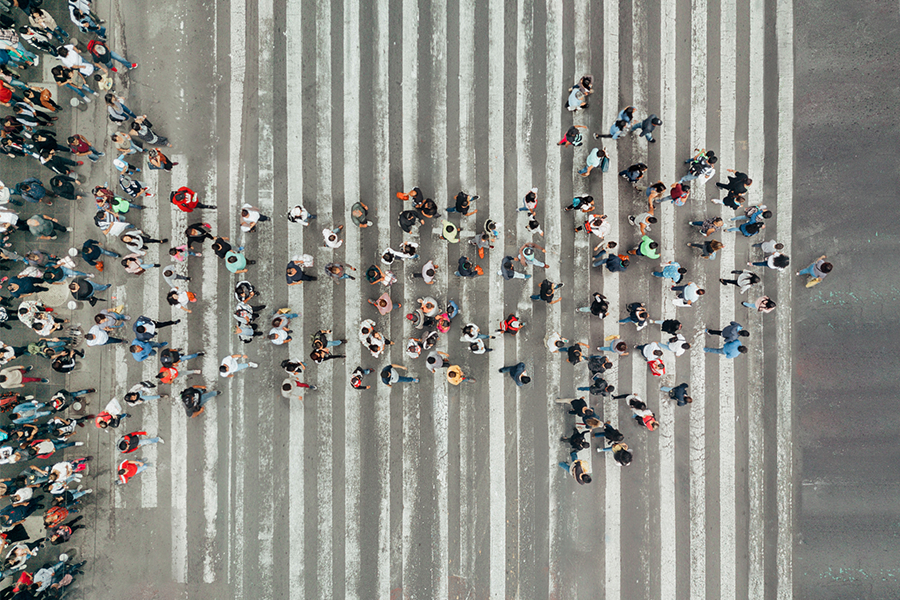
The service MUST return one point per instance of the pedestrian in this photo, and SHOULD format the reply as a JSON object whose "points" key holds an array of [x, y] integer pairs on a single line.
{"points": [[598, 386], [769, 246], [737, 184], [19, 287], [763, 304], [145, 328], [816, 271], [137, 241], [481, 242], [157, 160], [508, 272], [621, 454], [576, 468], [117, 110], [679, 193], [80, 146], [299, 214], [578, 94], [732, 200], [186, 199], [236, 262], [641, 414], [615, 263], [700, 166], [583, 203], [708, 249], [390, 375], [534, 226], [356, 378], [647, 126], [129, 468], [455, 375], [140, 393], [634, 173], [529, 203], [42, 21], [671, 270], [44, 227], [775, 260], [130, 442], [574, 353], [745, 279], [141, 350], [642, 221], [576, 440], [617, 129], [572, 137], [517, 373], [527, 255], [462, 204], [180, 298], [688, 293], [637, 314], [295, 275], [708, 226], [103, 56], [98, 336], [547, 291], [730, 349], [14, 377], [33, 190], [82, 289], [195, 397], [610, 433], [407, 219], [60, 534], [597, 158], [599, 306], [647, 248], [579, 407], [249, 217], [230, 365], [511, 325], [198, 233], [733, 331]]}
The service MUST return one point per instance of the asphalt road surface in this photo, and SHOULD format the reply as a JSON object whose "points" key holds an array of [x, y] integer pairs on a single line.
{"points": [[433, 491]]}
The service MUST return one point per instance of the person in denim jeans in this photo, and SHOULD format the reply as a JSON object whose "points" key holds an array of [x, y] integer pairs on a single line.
{"points": [[32, 190]]}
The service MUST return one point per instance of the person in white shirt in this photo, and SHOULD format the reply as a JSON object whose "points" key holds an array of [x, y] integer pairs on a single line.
{"points": [[230, 365], [299, 214], [677, 344], [69, 57], [97, 336], [331, 237], [250, 216]]}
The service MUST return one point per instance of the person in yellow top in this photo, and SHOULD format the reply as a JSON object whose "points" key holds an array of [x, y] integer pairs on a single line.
{"points": [[455, 375]]}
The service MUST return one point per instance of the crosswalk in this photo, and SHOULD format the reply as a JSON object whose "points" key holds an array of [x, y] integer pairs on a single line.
{"points": [[431, 490]]}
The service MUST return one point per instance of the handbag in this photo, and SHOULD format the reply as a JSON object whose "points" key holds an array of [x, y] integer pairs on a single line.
{"points": [[604, 164]]}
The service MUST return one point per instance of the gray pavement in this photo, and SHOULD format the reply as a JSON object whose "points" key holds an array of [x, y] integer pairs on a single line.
{"points": [[431, 490]]}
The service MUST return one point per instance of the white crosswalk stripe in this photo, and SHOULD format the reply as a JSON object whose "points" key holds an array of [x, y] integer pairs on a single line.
{"points": [[431, 490]]}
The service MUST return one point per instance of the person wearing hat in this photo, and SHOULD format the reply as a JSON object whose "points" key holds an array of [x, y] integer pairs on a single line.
{"points": [[647, 126]]}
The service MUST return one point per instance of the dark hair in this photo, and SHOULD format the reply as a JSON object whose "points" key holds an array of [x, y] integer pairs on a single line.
{"points": [[526, 379], [654, 245], [286, 387], [222, 368], [826, 267], [62, 51], [744, 333], [586, 478], [656, 121], [767, 214], [682, 270], [712, 160], [742, 349], [781, 261], [651, 219]]}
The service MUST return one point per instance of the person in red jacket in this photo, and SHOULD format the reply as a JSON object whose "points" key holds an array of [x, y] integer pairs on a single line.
{"points": [[130, 442], [186, 199], [130, 468]]}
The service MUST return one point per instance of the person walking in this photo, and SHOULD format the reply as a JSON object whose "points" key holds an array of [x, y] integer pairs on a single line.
{"points": [[621, 454], [572, 137], [195, 397], [98, 336], [14, 377], [517, 373], [647, 248], [708, 249], [610, 433], [390, 375], [816, 271], [678, 394], [130, 468], [671, 270], [731, 349], [776, 261], [744, 280], [577, 468], [356, 378], [708, 226], [230, 365], [130, 442], [647, 127], [597, 158], [599, 306], [187, 201], [618, 347], [637, 314], [688, 293], [462, 204], [455, 375], [547, 291], [579, 407]]}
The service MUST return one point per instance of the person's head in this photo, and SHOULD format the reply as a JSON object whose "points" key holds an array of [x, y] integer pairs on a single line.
{"points": [[625, 262], [826, 267], [716, 245], [701, 291], [116, 137], [232, 259], [742, 349], [592, 422], [654, 245], [587, 81], [88, 336], [779, 246], [122, 471], [62, 51], [629, 111], [781, 261], [767, 214], [686, 187], [658, 352], [526, 379], [611, 245], [653, 425], [744, 333], [172, 298], [656, 121], [621, 125], [586, 478], [223, 369], [712, 160]]}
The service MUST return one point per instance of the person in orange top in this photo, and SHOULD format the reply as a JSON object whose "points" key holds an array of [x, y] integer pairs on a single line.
{"points": [[455, 375]]}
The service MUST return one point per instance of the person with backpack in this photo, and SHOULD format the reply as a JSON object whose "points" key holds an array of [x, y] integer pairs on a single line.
{"points": [[620, 451], [572, 137], [194, 397], [130, 442], [577, 468], [103, 56]]}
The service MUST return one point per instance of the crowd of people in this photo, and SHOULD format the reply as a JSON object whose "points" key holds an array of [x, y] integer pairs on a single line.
{"points": [[43, 423]]}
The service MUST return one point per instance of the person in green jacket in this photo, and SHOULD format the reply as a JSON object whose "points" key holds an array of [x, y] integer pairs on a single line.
{"points": [[646, 248]]}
